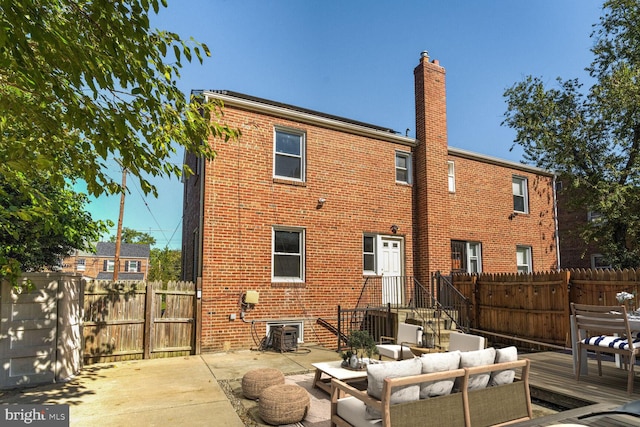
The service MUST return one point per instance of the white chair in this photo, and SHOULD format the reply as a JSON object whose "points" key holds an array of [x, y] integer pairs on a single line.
{"points": [[408, 335], [465, 342]]}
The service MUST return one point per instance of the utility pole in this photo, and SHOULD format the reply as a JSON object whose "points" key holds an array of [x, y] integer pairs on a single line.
{"points": [[116, 261]]}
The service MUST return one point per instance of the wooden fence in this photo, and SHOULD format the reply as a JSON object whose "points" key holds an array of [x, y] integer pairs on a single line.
{"points": [[536, 307], [135, 320]]}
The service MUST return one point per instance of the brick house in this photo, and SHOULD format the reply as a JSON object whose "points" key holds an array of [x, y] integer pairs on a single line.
{"points": [[304, 206], [134, 261]]}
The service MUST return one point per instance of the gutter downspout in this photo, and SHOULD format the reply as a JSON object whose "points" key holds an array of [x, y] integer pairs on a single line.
{"points": [[555, 216], [201, 219]]}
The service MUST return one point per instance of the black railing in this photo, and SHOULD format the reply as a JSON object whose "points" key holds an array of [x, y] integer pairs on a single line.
{"points": [[386, 300], [455, 306]]}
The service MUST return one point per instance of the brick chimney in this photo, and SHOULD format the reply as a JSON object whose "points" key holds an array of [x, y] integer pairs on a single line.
{"points": [[432, 222]]}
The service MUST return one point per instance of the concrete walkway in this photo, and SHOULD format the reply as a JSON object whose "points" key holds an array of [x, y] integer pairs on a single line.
{"points": [[163, 392]]}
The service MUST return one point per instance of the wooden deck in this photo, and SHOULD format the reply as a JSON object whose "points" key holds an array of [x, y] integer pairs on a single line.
{"points": [[552, 380]]}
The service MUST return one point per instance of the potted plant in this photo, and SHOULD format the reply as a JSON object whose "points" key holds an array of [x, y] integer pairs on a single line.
{"points": [[361, 344]]}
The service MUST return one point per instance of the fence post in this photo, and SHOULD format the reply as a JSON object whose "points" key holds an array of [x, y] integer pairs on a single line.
{"points": [[476, 302], [197, 313], [566, 278], [148, 321]]}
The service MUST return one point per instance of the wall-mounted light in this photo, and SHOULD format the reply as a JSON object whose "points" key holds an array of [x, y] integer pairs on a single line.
{"points": [[513, 215], [321, 203], [394, 228]]}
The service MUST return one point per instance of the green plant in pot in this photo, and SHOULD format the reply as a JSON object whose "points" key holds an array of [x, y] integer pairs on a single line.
{"points": [[361, 344]]}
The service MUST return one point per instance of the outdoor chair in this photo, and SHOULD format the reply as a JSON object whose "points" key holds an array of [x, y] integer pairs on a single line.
{"points": [[399, 348], [465, 342], [605, 329]]}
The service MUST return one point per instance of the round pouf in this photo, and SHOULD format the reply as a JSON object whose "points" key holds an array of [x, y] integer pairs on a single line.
{"points": [[283, 404], [253, 382]]}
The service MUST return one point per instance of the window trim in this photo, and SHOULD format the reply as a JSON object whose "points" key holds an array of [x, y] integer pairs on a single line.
{"points": [[409, 160], [81, 264], [466, 253], [374, 253], [286, 279], [593, 262], [529, 258], [135, 270], [525, 196], [303, 143], [451, 176]]}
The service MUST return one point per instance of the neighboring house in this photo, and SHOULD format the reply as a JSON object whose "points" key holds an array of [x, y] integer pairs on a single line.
{"points": [[574, 252], [134, 262], [304, 207]]}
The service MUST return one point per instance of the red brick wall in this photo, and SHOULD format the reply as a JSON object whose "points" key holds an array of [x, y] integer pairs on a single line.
{"points": [[356, 176], [480, 211]]}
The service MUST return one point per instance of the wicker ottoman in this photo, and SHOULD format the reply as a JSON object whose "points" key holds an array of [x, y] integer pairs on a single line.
{"points": [[283, 404], [253, 382]]}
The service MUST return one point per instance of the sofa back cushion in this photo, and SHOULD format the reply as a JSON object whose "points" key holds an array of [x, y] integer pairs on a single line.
{"points": [[470, 359], [438, 362], [507, 354], [376, 373]]}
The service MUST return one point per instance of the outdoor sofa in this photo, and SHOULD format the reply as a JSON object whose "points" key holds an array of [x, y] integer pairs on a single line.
{"points": [[475, 388]]}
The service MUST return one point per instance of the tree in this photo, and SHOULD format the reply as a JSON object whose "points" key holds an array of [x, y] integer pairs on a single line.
{"points": [[592, 137], [165, 264], [130, 235], [85, 81], [33, 243]]}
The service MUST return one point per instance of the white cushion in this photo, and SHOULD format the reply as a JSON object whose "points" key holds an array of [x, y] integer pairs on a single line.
{"points": [[469, 359], [465, 342], [611, 342], [353, 411], [506, 376], [393, 351], [438, 362], [376, 374]]}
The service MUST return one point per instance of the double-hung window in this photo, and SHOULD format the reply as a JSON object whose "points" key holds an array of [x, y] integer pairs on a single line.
{"points": [[403, 167], [451, 177], [289, 154], [288, 254], [466, 257], [520, 195], [369, 254], [132, 266], [108, 265], [81, 264], [523, 259]]}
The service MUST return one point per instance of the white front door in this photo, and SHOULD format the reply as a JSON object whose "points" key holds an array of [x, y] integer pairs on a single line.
{"points": [[392, 271]]}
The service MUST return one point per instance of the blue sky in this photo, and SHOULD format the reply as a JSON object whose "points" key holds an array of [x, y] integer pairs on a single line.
{"points": [[355, 59]]}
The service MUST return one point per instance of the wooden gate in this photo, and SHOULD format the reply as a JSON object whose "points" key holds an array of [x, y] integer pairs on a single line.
{"points": [[135, 320]]}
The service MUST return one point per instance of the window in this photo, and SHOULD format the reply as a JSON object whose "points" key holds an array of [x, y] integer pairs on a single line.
{"points": [[81, 264], [523, 259], [520, 197], [595, 217], [369, 254], [289, 155], [452, 177], [466, 257], [598, 261], [132, 266], [403, 167], [108, 265], [288, 254]]}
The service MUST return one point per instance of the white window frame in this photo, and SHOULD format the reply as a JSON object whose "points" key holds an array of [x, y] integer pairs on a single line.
{"points": [[111, 265], [451, 176], [477, 257], [595, 264], [520, 185], [298, 325], [81, 264], [134, 270], [301, 156], [527, 258], [408, 160], [374, 253], [300, 253], [595, 217]]}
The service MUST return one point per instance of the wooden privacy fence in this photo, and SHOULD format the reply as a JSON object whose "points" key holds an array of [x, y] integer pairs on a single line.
{"points": [[536, 307], [135, 320]]}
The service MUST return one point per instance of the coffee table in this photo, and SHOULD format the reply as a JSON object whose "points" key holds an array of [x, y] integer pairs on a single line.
{"points": [[419, 351], [334, 370]]}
